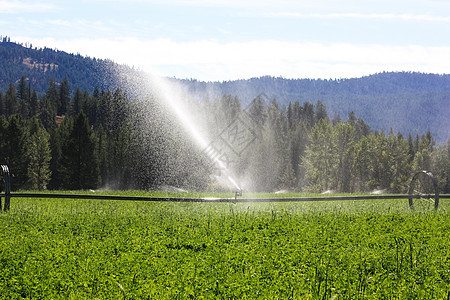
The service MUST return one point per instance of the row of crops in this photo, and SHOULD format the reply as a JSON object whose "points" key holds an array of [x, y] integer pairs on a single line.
{"points": [[75, 249]]}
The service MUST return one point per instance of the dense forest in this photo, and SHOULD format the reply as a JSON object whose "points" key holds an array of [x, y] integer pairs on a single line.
{"points": [[104, 139], [39, 65], [406, 102]]}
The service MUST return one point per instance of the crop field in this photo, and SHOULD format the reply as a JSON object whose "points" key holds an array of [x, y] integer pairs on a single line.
{"points": [[98, 249]]}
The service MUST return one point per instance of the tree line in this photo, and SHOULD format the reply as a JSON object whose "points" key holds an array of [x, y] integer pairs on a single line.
{"points": [[83, 140], [300, 148], [40, 65]]}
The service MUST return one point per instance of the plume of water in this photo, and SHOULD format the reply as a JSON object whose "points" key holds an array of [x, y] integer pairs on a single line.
{"points": [[172, 97]]}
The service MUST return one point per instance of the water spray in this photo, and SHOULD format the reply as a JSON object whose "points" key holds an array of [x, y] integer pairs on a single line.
{"points": [[237, 193], [164, 90]]}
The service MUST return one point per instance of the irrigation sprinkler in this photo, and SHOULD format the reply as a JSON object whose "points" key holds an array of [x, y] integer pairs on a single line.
{"points": [[424, 187], [7, 183], [237, 193], [416, 191]]}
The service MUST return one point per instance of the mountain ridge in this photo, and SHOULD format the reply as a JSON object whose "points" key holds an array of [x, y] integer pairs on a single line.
{"points": [[406, 102]]}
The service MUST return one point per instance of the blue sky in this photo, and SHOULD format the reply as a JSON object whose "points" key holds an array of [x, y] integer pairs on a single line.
{"points": [[237, 39]]}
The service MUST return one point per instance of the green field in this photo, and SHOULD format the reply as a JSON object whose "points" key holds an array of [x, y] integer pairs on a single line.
{"points": [[94, 249]]}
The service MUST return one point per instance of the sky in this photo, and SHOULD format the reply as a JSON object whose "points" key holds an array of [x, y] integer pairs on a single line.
{"points": [[219, 40]]}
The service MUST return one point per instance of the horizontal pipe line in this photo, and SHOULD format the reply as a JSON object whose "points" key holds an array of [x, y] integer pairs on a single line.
{"points": [[173, 199]]}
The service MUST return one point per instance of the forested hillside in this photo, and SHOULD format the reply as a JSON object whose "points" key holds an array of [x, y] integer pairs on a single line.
{"points": [[104, 140], [70, 122], [406, 102], [40, 65]]}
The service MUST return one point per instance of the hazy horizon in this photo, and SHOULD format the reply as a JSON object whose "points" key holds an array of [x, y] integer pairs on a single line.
{"points": [[215, 40]]}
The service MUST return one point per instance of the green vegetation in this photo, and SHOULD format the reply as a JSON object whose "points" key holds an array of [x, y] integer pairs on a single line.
{"points": [[407, 102], [40, 65], [105, 140], [87, 249], [59, 111]]}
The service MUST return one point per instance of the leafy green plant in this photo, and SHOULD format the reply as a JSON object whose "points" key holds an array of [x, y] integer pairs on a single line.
{"points": [[59, 248]]}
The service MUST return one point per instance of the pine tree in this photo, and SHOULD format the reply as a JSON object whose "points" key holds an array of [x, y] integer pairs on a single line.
{"points": [[344, 143], [380, 163], [34, 105], [422, 158], [320, 158], [2, 105], [308, 114], [91, 109], [64, 97], [119, 157], [362, 129], [22, 90], [257, 111], [120, 109], [23, 95], [52, 95], [47, 113], [14, 155], [58, 135], [79, 162], [102, 154], [11, 103], [104, 111], [363, 163], [3, 139], [399, 166], [288, 179], [38, 156], [77, 102], [321, 112]]}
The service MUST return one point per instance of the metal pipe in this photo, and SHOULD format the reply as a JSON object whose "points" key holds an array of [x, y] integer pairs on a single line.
{"points": [[234, 199]]}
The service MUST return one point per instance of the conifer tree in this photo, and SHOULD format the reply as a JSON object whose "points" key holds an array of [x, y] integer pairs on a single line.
{"points": [[77, 102], [11, 103], [422, 158], [344, 143], [22, 90], [308, 114], [399, 166], [52, 95], [34, 105], [23, 95], [288, 179], [2, 105], [102, 154], [58, 135], [79, 162], [14, 155], [321, 112], [38, 156], [47, 113], [64, 97], [320, 158]]}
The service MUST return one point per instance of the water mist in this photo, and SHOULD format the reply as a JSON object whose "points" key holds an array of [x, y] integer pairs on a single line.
{"points": [[170, 96]]}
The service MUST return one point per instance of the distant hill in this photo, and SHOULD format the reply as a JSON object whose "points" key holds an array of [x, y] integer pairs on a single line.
{"points": [[406, 102], [40, 65]]}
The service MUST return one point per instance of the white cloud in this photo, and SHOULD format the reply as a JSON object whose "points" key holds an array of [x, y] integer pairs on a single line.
{"points": [[212, 60], [437, 9], [17, 7], [223, 3], [368, 16], [59, 22]]}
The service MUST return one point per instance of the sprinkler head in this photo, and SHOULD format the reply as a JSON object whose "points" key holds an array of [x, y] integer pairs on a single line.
{"points": [[237, 193]]}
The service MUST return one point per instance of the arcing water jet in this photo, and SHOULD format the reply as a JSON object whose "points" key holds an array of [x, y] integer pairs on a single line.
{"points": [[170, 95]]}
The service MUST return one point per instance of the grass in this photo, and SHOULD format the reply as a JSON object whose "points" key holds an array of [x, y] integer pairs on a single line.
{"points": [[88, 249]]}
